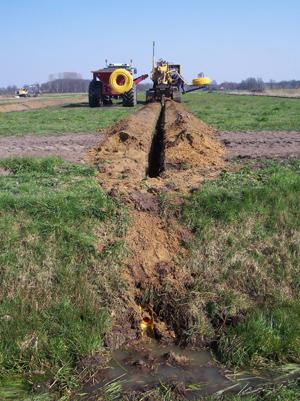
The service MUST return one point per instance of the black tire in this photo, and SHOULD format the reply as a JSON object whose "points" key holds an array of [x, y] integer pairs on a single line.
{"points": [[176, 95], [95, 93], [130, 98]]}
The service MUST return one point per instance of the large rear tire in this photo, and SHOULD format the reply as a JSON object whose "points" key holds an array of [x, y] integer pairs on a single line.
{"points": [[130, 98], [95, 93]]}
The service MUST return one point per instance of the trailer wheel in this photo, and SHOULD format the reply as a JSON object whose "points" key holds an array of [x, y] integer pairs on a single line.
{"points": [[130, 97], [95, 93]]}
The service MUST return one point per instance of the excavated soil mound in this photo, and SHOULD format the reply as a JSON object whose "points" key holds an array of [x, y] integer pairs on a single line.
{"points": [[192, 152], [189, 141], [122, 158]]}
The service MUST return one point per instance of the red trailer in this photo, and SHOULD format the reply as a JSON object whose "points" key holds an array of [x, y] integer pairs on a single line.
{"points": [[104, 87]]}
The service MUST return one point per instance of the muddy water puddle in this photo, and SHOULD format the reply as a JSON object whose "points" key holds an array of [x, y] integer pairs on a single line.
{"points": [[190, 372]]}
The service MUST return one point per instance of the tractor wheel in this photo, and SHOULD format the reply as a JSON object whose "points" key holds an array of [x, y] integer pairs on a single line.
{"points": [[130, 98], [176, 96], [95, 93]]}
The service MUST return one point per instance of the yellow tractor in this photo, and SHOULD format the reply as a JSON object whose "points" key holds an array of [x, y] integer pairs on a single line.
{"points": [[22, 92]]}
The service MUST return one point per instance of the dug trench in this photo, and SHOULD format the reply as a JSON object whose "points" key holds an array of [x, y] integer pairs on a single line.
{"points": [[154, 154], [149, 161]]}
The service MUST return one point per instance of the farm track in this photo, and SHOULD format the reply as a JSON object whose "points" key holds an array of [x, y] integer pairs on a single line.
{"points": [[264, 144], [71, 147], [24, 104]]}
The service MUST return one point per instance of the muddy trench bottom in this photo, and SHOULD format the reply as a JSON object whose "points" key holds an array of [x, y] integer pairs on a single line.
{"points": [[148, 365]]}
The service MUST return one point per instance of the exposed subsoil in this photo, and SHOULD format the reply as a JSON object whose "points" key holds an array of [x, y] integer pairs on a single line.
{"points": [[166, 151], [157, 150], [23, 104]]}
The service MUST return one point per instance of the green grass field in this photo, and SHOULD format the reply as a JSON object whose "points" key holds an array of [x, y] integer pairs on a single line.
{"points": [[236, 113], [60, 120], [245, 261], [56, 289], [225, 112], [280, 393]]}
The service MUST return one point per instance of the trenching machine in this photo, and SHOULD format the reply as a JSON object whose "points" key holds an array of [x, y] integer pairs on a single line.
{"points": [[169, 83]]}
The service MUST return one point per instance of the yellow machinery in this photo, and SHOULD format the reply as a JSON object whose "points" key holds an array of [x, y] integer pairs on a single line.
{"points": [[22, 92], [169, 83], [29, 91]]}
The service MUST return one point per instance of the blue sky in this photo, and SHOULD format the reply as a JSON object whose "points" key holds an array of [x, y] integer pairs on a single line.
{"points": [[228, 40]]}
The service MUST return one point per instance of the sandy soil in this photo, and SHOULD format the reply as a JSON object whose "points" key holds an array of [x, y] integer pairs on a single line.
{"points": [[22, 104], [122, 158]]}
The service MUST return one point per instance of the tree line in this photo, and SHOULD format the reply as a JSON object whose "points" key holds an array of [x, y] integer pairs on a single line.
{"points": [[258, 85], [73, 83]]}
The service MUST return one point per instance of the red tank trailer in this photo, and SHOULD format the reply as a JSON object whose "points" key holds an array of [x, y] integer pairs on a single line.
{"points": [[101, 91]]}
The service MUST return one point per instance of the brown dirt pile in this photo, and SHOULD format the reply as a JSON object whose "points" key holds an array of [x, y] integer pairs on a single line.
{"points": [[122, 158], [192, 152], [189, 140]]}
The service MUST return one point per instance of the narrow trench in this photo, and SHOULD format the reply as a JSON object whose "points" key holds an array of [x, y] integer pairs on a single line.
{"points": [[156, 160]]}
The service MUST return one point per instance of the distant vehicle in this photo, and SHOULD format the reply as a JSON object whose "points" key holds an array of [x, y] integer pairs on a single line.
{"points": [[22, 92], [29, 91]]}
